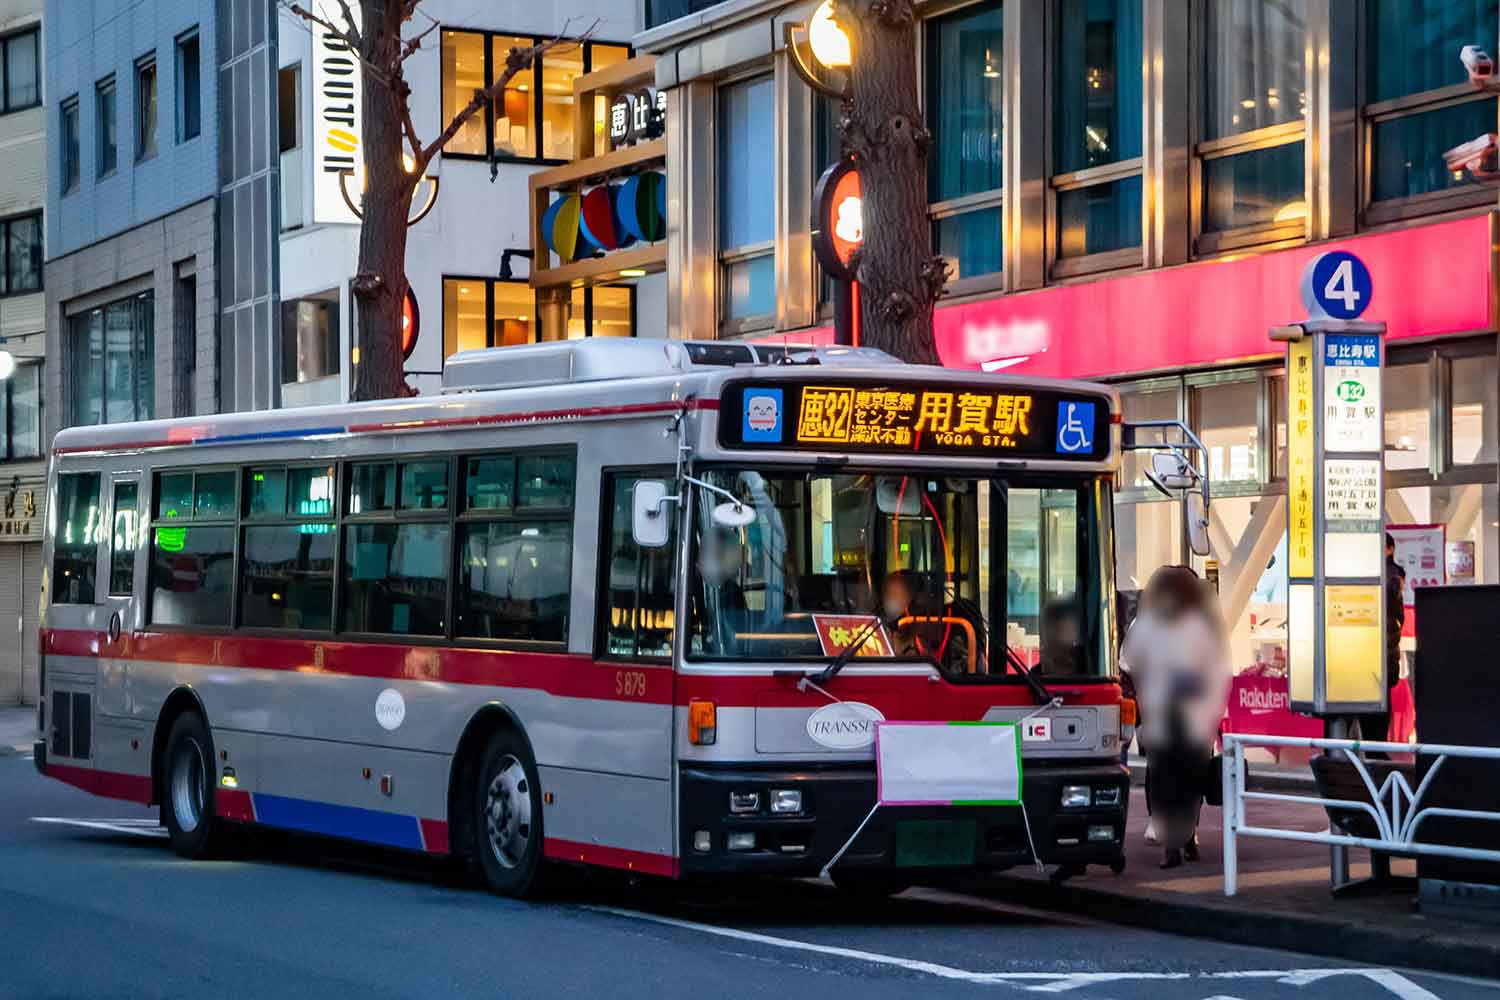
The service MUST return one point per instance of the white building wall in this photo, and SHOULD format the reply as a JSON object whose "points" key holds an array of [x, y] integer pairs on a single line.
{"points": [[474, 220]]}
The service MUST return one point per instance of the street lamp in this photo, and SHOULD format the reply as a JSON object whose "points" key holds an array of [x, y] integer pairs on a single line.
{"points": [[7, 365], [830, 46], [410, 165]]}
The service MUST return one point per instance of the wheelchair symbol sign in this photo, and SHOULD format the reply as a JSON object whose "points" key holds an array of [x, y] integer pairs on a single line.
{"points": [[1075, 428]]}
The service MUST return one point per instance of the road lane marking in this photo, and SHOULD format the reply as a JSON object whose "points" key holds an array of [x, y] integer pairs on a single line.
{"points": [[1036, 982], [134, 827]]}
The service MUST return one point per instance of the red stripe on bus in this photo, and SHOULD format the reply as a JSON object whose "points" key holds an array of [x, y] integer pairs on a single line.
{"points": [[235, 804], [434, 836], [610, 857], [567, 675], [906, 696], [111, 785]]}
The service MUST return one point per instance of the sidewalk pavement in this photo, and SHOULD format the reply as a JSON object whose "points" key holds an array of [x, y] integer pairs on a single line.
{"points": [[1283, 901], [17, 729]]}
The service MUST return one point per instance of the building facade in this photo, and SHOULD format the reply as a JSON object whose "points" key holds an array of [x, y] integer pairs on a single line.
{"points": [[23, 471], [469, 291], [1127, 190]]}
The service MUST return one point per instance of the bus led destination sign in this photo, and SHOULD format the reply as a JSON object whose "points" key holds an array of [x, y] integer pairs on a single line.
{"points": [[909, 417]]}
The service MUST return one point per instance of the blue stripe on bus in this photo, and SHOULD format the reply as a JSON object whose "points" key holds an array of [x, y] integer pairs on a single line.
{"points": [[270, 435], [350, 822]]}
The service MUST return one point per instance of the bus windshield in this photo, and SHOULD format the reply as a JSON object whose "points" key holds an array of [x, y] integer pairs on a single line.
{"points": [[947, 569]]}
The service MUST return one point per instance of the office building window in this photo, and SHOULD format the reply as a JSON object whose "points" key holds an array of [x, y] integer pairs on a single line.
{"points": [[106, 155], [145, 108], [964, 97], [20, 413], [1476, 401], [21, 74], [1415, 113], [112, 361], [533, 118], [189, 99], [602, 311], [747, 202], [289, 108], [1251, 134], [659, 12], [1097, 129], [483, 312], [21, 245], [310, 337], [69, 151]]}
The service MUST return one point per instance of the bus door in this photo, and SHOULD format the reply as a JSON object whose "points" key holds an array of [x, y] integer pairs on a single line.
{"points": [[121, 595]]}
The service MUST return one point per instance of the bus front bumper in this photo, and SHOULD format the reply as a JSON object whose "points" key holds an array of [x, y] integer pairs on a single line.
{"points": [[835, 799]]}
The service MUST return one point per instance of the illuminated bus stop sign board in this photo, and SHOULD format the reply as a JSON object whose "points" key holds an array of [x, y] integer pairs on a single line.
{"points": [[978, 421]]}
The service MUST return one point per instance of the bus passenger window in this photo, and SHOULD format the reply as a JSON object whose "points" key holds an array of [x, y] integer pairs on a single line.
{"points": [[192, 549], [638, 605], [545, 481], [515, 577], [288, 577], [372, 488], [123, 540], [424, 485], [395, 578], [75, 548]]}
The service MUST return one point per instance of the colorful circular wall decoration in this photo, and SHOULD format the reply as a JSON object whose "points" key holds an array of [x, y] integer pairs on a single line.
{"points": [[607, 217]]}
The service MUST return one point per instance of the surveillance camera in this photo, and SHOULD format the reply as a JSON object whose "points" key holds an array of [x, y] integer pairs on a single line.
{"points": [[1479, 156], [1480, 66]]}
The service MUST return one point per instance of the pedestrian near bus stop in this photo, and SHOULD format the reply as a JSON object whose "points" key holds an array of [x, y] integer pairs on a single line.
{"points": [[1375, 726], [1177, 655]]}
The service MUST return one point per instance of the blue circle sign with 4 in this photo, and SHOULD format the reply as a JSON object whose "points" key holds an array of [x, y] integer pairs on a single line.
{"points": [[1337, 285]]}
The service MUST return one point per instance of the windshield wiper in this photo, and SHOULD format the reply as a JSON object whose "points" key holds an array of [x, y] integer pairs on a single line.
{"points": [[1038, 689]]}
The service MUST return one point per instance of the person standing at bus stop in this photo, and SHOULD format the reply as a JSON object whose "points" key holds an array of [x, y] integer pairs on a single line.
{"points": [[1178, 654]]}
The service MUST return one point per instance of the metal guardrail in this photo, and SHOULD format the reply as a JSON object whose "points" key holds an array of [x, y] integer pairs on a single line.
{"points": [[1397, 810]]}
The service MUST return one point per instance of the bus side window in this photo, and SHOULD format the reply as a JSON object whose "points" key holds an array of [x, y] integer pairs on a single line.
{"points": [[122, 540], [637, 605], [75, 547]]}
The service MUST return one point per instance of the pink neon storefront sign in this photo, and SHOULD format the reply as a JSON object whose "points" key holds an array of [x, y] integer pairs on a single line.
{"points": [[1428, 280]]}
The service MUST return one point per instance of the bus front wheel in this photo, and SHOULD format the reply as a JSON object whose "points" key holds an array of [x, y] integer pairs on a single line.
{"points": [[187, 794], [508, 817]]}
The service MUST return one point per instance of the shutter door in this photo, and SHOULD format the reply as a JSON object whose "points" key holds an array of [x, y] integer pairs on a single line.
{"points": [[10, 623], [31, 620]]}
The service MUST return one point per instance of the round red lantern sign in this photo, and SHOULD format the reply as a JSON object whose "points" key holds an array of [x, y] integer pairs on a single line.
{"points": [[838, 223]]}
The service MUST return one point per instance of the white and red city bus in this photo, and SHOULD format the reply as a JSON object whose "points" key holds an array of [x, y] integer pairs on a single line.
{"points": [[564, 612]]}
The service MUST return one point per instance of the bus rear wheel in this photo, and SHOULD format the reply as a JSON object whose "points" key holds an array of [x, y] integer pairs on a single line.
{"points": [[508, 818], [187, 792]]}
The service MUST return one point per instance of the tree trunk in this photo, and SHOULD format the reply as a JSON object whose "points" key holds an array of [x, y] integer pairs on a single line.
{"points": [[899, 277], [380, 284]]}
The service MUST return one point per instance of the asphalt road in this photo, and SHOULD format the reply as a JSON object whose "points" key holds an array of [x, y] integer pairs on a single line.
{"points": [[94, 904]]}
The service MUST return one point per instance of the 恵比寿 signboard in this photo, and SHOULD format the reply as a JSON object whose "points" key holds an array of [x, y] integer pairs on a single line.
{"points": [[1300, 484], [1351, 393]]}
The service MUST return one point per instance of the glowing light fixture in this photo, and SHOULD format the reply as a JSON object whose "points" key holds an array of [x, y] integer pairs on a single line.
{"points": [[830, 43], [7, 365]]}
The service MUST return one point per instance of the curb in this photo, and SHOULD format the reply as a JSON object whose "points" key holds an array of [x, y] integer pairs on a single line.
{"points": [[1432, 949]]}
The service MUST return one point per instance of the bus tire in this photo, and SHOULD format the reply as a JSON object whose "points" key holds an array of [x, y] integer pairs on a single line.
{"points": [[868, 885], [187, 797], [507, 812]]}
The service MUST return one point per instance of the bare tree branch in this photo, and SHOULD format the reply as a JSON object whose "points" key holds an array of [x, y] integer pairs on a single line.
{"points": [[515, 61], [350, 37], [414, 44]]}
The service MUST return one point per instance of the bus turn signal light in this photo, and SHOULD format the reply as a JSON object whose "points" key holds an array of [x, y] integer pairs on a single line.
{"points": [[703, 723], [1127, 712]]}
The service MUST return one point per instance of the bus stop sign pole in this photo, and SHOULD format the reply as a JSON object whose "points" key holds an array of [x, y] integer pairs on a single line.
{"points": [[1335, 501]]}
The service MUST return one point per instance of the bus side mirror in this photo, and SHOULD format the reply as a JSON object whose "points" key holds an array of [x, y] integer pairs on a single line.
{"points": [[1195, 512], [650, 525], [1169, 471]]}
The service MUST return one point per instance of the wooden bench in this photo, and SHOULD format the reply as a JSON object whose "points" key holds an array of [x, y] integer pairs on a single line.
{"points": [[1337, 778]]}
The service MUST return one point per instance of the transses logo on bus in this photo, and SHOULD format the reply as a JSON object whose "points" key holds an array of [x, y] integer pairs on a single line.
{"points": [[844, 725]]}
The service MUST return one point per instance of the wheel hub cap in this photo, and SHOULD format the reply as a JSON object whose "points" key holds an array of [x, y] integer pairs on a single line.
{"points": [[507, 813]]}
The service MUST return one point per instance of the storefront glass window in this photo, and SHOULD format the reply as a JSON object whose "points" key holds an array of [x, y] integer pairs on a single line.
{"points": [[112, 361], [1468, 515], [514, 305], [1098, 95], [1408, 431], [463, 315], [562, 66], [1476, 383], [602, 311], [310, 337], [1254, 529], [1228, 424], [1260, 187], [970, 242], [1276, 387], [478, 313], [1152, 404], [1147, 536], [513, 132]]}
